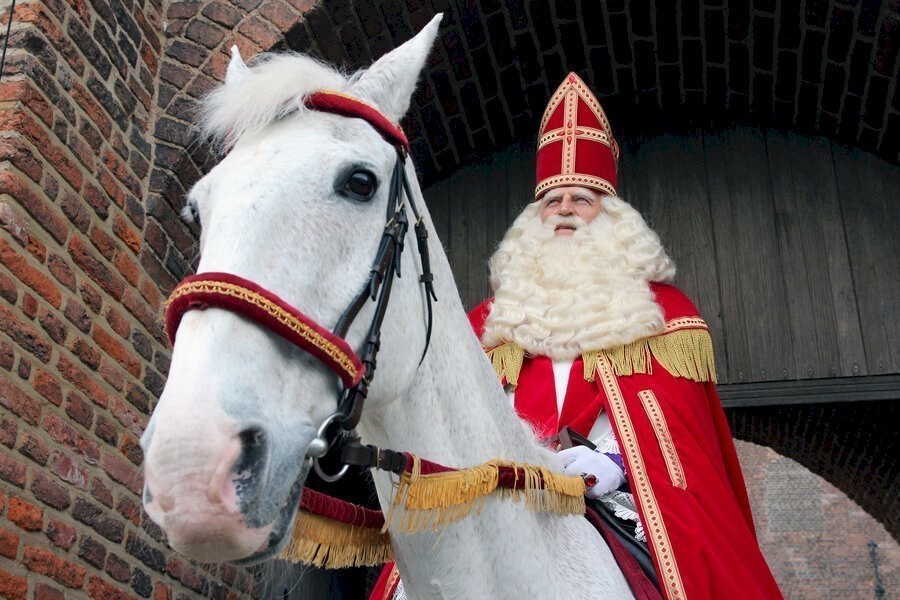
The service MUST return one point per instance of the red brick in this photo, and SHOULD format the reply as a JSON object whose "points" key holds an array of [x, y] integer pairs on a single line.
{"points": [[67, 469], [8, 288], [39, 17], [42, 591], [82, 151], [95, 268], [117, 351], [24, 367], [280, 14], [107, 431], [123, 472], [55, 327], [29, 305], [132, 450], [139, 310], [24, 514], [118, 569], [96, 199], [28, 275], [61, 270], [36, 248], [130, 419], [101, 492], [120, 170], [112, 374], [79, 410], [9, 543], [85, 384], [77, 315], [86, 352], [12, 587], [45, 385], [128, 267], [129, 509], [49, 492], [118, 322], [61, 570], [8, 433], [186, 574], [102, 590], [260, 31], [103, 242], [20, 153], [91, 297], [21, 121], [34, 201], [24, 335], [112, 187], [89, 105], [12, 470], [65, 434], [150, 292], [34, 448], [24, 92], [61, 534], [20, 403]]}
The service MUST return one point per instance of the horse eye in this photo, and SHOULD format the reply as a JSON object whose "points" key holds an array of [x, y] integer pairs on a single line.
{"points": [[360, 185]]}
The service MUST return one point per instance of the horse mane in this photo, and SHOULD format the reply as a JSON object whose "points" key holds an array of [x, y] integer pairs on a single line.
{"points": [[273, 86]]}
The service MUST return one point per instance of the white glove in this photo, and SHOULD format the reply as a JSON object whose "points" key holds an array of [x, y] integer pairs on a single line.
{"points": [[581, 460]]}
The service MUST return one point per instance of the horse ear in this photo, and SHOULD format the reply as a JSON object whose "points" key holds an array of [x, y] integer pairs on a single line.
{"points": [[390, 81], [237, 69]]}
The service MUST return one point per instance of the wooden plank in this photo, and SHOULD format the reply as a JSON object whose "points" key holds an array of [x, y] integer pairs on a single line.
{"points": [[811, 391], [437, 199], [753, 295], [520, 178], [474, 179], [870, 206], [677, 207], [459, 233]]}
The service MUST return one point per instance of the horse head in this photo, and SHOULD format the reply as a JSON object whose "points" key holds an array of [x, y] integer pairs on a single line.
{"points": [[296, 206]]}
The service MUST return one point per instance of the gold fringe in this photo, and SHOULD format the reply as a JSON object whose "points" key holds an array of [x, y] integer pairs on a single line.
{"points": [[324, 542], [431, 502], [507, 361], [684, 353]]}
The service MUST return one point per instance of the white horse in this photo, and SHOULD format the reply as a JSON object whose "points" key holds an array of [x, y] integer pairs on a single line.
{"points": [[225, 446]]}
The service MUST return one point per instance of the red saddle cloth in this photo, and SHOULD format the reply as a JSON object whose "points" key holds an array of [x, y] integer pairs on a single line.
{"points": [[641, 586]]}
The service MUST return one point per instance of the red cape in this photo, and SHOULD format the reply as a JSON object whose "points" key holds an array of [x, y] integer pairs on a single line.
{"points": [[681, 465]]}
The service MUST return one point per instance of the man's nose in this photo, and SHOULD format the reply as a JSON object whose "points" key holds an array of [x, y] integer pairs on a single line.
{"points": [[567, 206]]}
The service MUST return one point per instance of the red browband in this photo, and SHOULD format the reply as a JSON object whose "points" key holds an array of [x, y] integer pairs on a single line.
{"points": [[230, 292], [348, 106]]}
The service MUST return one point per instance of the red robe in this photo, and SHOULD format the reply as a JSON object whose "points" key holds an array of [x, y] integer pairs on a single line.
{"points": [[679, 456]]}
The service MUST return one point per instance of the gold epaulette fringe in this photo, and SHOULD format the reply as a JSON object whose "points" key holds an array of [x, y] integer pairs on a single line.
{"points": [[684, 353], [327, 543], [431, 502], [507, 361]]}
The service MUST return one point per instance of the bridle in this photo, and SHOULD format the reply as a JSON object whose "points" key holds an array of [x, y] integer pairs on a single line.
{"points": [[239, 295]]}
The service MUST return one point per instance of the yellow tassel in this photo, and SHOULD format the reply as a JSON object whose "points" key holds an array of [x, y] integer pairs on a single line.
{"points": [[507, 362], [323, 542], [431, 502], [684, 353]]}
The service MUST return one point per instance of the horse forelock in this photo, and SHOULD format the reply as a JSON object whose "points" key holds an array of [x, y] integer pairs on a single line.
{"points": [[276, 85]]}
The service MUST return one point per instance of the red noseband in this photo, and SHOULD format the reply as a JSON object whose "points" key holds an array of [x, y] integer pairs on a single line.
{"points": [[230, 292]]}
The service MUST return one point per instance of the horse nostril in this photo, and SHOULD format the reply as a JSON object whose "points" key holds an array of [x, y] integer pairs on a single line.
{"points": [[251, 463]]}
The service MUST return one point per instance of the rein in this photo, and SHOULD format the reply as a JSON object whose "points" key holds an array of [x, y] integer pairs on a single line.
{"points": [[239, 295]]}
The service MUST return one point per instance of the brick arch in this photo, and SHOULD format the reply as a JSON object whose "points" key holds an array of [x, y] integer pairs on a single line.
{"points": [[821, 67]]}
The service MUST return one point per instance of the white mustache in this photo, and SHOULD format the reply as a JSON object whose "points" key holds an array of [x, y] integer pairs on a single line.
{"points": [[571, 220]]}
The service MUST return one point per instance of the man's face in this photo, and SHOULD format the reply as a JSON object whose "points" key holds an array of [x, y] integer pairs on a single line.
{"points": [[570, 201]]}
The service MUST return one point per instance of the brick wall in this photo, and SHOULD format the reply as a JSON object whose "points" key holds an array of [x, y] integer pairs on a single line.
{"points": [[84, 270]]}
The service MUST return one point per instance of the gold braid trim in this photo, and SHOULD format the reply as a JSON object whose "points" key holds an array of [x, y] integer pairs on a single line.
{"points": [[324, 542], [507, 361], [432, 502], [285, 318]]}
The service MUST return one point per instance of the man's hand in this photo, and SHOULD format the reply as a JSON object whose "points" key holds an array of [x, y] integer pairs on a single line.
{"points": [[585, 462]]}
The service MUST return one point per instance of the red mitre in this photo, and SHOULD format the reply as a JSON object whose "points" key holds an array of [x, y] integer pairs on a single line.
{"points": [[575, 142]]}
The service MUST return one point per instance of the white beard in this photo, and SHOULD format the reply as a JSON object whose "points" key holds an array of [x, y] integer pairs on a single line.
{"points": [[561, 296]]}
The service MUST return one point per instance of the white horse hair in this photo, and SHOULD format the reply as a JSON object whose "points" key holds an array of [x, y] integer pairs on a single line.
{"points": [[225, 446]]}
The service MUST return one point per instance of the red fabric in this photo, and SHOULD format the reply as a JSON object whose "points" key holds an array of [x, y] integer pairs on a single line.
{"points": [[387, 582], [336, 509], [708, 524], [348, 106], [341, 359]]}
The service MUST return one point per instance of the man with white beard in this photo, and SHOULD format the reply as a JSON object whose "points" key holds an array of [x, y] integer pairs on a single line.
{"points": [[586, 333]]}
